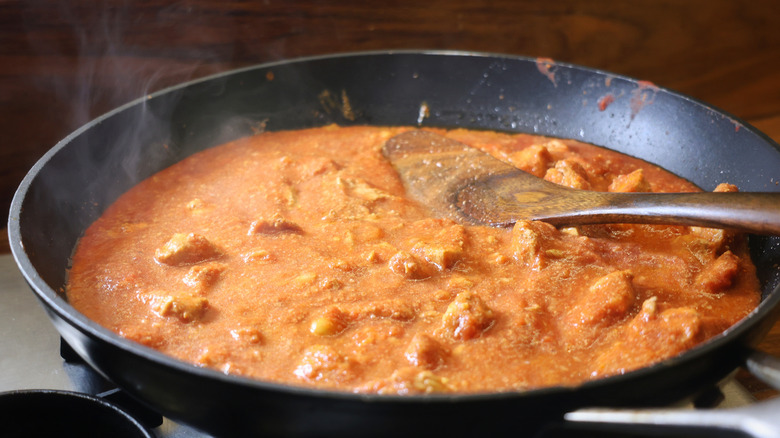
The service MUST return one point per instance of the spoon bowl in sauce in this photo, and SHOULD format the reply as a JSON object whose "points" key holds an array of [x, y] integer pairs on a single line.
{"points": [[472, 187]]}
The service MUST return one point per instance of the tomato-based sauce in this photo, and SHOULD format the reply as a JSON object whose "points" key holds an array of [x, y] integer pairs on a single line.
{"points": [[295, 257]]}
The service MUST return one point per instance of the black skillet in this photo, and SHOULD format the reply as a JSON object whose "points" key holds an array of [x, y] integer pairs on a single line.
{"points": [[75, 181]]}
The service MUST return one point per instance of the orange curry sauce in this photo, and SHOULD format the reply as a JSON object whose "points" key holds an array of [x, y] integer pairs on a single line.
{"points": [[295, 257]]}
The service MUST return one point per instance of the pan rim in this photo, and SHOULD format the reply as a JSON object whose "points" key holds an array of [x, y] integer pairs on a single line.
{"points": [[64, 310]]}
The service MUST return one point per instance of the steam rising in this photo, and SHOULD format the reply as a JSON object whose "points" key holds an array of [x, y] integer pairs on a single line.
{"points": [[109, 58], [119, 52]]}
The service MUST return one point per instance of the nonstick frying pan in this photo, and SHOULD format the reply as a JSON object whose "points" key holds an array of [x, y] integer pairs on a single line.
{"points": [[77, 179]]}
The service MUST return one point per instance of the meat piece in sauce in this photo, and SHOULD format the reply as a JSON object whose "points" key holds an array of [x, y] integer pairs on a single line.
{"points": [[652, 335], [203, 277], [331, 322], [726, 188], [186, 249], [606, 301], [324, 364], [539, 157], [467, 317], [406, 265], [274, 225], [720, 274], [534, 159], [425, 352], [713, 239], [186, 308], [398, 310], [631, 182], [247, 335], [531, 326], [718, 238], [528, 241], [568, 173], [360, 189], [445, 249]]}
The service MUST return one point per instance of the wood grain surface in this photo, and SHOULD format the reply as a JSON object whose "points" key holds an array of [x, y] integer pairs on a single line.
{"points": [[63, 63]]}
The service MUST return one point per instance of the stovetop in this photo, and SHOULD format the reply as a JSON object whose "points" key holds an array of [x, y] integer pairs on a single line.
{"points": [[30, 351], [31, 358]]}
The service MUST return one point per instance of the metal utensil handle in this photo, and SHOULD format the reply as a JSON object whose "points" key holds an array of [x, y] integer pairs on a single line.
{"points": [[751, 212], [760, 420], [764, 366]]}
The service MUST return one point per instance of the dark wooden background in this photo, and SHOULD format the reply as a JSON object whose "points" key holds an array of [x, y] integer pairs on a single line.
{"points": [[64, 62]]}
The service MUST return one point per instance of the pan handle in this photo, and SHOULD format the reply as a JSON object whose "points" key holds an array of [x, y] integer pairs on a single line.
{"points": [[764, 366], [760, 420]]}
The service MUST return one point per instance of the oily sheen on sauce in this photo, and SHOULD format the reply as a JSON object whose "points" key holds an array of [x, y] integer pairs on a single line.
{"points": [[295, 257]]}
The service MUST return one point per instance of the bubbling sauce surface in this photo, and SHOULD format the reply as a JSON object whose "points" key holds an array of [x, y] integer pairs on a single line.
{"points": [[295, 257]]}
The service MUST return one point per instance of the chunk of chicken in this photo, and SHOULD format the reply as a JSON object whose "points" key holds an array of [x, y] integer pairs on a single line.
{"points": [[445, 249], [203, 277], [406, 265], [718, 238], [330, 323], [323, 363], [186, 308], [398, 310], [186, 249], [467, 317], [534, 159], [720, 274], [425, 352], [528, 238], [653, 335], [568, 173], [275, 225], [631, 182], [606, 301]]}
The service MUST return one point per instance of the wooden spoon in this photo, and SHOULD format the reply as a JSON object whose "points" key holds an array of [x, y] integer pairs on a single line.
{"points": [[471, 187]]}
